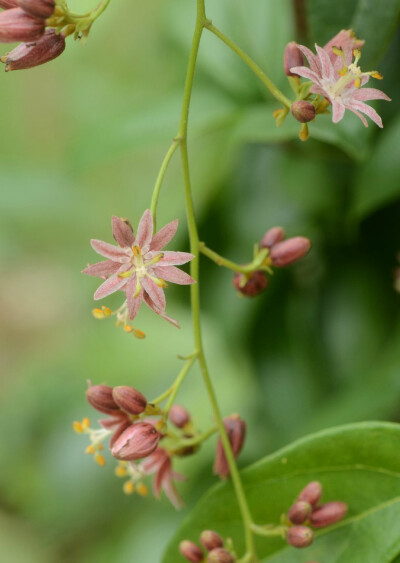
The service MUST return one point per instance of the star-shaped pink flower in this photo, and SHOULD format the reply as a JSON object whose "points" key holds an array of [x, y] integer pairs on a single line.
{"points": [[138, 266]]}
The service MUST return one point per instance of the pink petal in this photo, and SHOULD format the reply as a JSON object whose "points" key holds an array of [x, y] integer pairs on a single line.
{"points": [[109, 250], [364, 94], [109, 286], [154, 308], [133, 302], [368, 110], [160, 476], [102, 269], [145, 229], [172, 493], [312, 59], [164, 235], [171, 258], [326, 65], [155, 292], [173, 275], [337, 111], [122, 232], [305, 72], [358, 114]]}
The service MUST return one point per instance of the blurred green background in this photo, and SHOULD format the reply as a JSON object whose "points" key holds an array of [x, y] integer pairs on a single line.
{"points": [[83, 138]]}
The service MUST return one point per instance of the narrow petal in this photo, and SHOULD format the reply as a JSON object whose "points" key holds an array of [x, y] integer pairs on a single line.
{"points": [[164, 235], [155, 292], [326, 65], [368, 110], [122, 232], [109, 250], [145, 229], [364, 94], [109, 286], [154, 308], [163, 470], [337, 111], [312, 59], [306, 72], [102, 269], [171, 258], [173, 275], [133, 302], [171, 492], [358, 114]]}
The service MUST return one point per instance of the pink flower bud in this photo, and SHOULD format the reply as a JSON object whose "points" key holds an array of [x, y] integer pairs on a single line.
{"points": [[191, 551], [303, 111], [328, 514], [100, 397], [118, 430], [137, 441], [211, 540], [236, 430], [292, 57], [38, 8], [129, 399], [311, 493], [179, 416], [300, 536], [271, 237], [7, 4], [220, 555], [17, 25], [252, 284], [289, 251], [28, 55], [299, 512]]}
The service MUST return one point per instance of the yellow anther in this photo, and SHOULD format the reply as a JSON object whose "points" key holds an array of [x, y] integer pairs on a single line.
{"points": [[85, 423], [376, 74], [90, 450], [124, 275], [357, 54], [161, 283], [142, 490], [120, 471], [100, 447], [98, 313], [77, 427], [139, 334], [106, 311], [99, 459], [338, 52], [343, 71], [136, 250], [128, 328], [357, 82], [128, 488]]}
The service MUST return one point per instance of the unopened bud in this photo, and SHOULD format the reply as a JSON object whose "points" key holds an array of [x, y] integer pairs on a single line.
{"points": [[292, 57], [220, 555], [236, 430], [303, 111], [311, 493], [100, 397], [299, 512], [289, 251], [300, 536], [191, 551], [38, 8], [251, 284], [28, 55], [328, 514], [211, 540], [7, 4], [271, 237], [136, 442], [119, 429], [179, 416], [17, 25], [129, 399]]}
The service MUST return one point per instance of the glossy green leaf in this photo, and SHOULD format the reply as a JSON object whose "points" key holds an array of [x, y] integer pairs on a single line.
{"points": [[357, 464]]}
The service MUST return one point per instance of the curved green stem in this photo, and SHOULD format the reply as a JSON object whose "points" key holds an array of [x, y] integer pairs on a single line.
{"points": [[186, 442], [258, 71], [244, 269], [160, 178]]}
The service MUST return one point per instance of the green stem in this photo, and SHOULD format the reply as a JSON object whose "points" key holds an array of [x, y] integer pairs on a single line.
{"points": [[270, 531], [186, 442], [178, 382], [258, 71], [194, 270], [160, 178], [221, 261]]}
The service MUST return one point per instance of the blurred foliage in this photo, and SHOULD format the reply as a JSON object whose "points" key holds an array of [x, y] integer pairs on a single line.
{"points": [[83, 138]]}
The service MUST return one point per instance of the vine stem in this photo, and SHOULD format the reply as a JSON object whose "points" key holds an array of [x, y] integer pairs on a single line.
{"points": [[194, 270], [160, 178], [257, 263]]}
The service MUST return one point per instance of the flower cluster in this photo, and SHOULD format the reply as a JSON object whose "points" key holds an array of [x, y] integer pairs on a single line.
{"points": [[139, 268], [276, 252], [218, 551]]}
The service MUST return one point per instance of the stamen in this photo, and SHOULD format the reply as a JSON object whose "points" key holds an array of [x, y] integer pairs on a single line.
{"points": [[90, 450], [99, 459], [124, 275], [376, 74], [357, 55], [338, 52], [101, 313], [120, 471], [357, 82], [128, 488], [343, 71], [142, 490], [138, 288], [137, 250]]}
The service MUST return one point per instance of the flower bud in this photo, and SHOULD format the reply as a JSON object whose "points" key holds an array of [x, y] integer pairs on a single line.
{"points": [[271, 237], [292, 56], [328, 514], [119, 429], [300, 536], [28, 55], [137, 441], [100, 397], [7, 4], [289, 251], [38, 8], [220, 555], [311, 493], [251, 284], [129, 399], [17, 25], [300, 512], [191, 551], [179, 416], [303, 111], [211, 540], [236, 430]]}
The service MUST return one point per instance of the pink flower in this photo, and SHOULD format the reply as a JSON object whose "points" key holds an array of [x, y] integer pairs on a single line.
{"points": [[138, 267], [339, 79], [159, 463]]}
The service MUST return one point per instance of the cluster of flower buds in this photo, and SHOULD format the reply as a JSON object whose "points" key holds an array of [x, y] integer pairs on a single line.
{"points": [[26, 21], [307, 512], [236, 430], [218, 551], [281, 253]]}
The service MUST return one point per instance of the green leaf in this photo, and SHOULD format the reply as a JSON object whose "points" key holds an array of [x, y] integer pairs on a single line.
{"points": [[326, 19], [357, 464]]}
